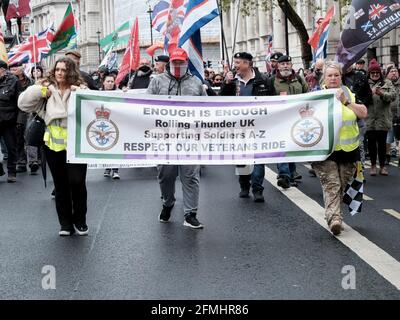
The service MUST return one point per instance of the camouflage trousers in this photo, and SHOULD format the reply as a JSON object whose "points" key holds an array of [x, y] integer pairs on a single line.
{"points": [[334, 178]]}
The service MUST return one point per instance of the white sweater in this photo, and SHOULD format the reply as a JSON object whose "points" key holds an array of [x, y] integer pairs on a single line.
{"points": [[31, 100]]}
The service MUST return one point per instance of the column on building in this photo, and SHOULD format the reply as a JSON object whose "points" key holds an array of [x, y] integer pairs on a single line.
{"points": [[263, 31], [278, 29]]}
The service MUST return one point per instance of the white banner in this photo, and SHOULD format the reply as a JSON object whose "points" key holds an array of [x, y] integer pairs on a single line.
{"points": [[123, 129]]}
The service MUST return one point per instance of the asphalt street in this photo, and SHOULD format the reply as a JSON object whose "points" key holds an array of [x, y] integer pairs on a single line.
{"points": [[247, 250]]}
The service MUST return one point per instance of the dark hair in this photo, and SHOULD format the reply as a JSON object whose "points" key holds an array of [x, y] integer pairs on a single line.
{"points": [[73, 76], [37, 68], [104, 79]]}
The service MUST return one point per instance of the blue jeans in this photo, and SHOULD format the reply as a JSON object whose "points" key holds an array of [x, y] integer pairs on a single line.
{"points": [[256, 178], [287, 170]]}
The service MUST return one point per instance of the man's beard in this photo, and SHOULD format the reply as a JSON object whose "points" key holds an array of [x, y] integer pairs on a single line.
{"points": [[286, 73]]}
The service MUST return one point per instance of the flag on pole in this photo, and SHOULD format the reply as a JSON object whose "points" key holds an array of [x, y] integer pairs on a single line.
{"points": [[65, 32], [323, 25], [353, 193], [270, 40], [18, 9], [320, 52], [34, 49], [110, 60], [131, 58], [119, 37], [159, 16], [175, 17], [366, 23], [198, 14], [3, 51]]}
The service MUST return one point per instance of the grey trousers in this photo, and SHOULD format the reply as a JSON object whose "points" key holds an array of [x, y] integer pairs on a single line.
{"points": [[190, 179]]}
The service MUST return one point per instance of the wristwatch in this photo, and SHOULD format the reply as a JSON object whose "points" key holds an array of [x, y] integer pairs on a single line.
{"points": [[347, 103]]}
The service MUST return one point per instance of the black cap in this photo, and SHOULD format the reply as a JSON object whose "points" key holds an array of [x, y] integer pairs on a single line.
{"points": [[285, 59], [276, 55], [243, 55], [361, 61], [162, 58], [3, 64]]}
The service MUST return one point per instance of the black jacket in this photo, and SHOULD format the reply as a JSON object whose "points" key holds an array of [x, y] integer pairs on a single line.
{"points": [[357, 82], [9, 92], [262, 86], [140, 80], [89, 80]]}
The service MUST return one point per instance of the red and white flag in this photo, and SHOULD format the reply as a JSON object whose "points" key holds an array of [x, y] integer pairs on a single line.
{"points": [[18, 9], [131, 58]]}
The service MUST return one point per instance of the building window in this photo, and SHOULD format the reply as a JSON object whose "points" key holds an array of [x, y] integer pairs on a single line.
{"points": [[394, 54], [371, 54]]}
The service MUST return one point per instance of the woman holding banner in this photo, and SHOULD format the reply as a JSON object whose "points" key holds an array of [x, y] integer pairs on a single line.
{"points": [[336, 171], [50, 98]]}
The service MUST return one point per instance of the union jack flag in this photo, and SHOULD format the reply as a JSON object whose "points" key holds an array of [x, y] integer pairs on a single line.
{"points": [[165, 12], [34, 49], [375, 11], [159, 16], [269, 53]]}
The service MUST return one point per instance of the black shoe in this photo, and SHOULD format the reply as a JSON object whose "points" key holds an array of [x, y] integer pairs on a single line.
{"points": [[34, 167], [297, 176], [66, 232], [21, 169], [294, 184], [82, 230], [12, 178], [2, 173], [244, 193], [284, 182], [312, 173], [165, 214], [192, 222], [398, 164], [258, 196]]}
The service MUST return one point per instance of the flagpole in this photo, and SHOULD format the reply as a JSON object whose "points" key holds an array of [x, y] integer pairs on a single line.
{"points": [[34, 46], [234, 38], [223, 42]]}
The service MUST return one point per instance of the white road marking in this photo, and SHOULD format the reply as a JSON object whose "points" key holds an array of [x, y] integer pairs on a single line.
{"points": [[393, 213], [365, 197], [381, 261]]}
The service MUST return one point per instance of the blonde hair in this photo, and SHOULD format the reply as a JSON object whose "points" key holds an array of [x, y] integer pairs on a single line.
{"points": [[333, 65]]}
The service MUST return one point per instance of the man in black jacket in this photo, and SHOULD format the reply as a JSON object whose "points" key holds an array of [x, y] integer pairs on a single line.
{"points": [[9, 92], [248, 81], [140, 79]]}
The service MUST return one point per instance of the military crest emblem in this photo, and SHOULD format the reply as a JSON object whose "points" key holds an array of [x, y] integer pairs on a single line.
{"points": [[102, 133], [308, 131]]}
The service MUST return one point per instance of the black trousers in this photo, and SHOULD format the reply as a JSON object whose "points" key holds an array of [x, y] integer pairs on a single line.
{"points": [[377, 146], [70, 185], [21, 151], [8, 130]]}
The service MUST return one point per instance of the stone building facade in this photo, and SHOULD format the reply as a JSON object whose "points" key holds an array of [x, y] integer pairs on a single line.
{"points": [[94, 19], [253, 31]]}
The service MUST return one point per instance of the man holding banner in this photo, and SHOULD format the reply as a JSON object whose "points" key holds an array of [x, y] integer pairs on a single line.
{"points": [[248, 82], [178, 81]]}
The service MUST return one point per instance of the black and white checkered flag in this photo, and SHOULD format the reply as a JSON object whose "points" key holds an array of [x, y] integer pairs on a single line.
{"points": [[353, 194]]}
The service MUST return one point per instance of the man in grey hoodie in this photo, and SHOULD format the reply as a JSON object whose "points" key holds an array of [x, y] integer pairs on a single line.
{"points": [[178, 81]]}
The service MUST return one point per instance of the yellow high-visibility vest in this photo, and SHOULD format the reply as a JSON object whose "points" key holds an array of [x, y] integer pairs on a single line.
{"points": [[349, 132], [55, 137]]}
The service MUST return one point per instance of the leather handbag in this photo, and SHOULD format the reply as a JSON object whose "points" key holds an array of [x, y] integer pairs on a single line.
{"points": [[35, 129]]}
